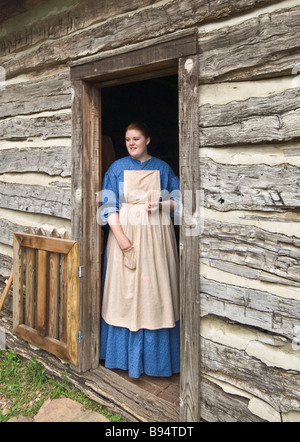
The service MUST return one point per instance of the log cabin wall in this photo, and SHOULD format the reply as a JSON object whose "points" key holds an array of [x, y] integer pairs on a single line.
{"points": [[249, 156]]}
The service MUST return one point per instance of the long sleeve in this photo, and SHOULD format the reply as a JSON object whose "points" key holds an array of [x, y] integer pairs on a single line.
{"points": [[109, 196], [171, 189]]}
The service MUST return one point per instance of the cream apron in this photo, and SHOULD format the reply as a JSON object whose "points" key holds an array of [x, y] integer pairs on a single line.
{"points": [[141, 284]]}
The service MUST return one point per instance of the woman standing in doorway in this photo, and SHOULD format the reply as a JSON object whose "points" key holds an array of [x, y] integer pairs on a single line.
{"points": [[140, 299]]}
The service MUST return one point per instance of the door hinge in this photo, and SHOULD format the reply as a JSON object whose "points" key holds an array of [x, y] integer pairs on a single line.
{"points": [[80, 271], [79, 337]]}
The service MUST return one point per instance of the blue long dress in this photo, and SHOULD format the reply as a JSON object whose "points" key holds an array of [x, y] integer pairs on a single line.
{"points": [[153, 351]]}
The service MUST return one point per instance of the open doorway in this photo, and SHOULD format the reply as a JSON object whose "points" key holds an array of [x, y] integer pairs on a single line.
{"points": [[162, 57], [155, 102]]}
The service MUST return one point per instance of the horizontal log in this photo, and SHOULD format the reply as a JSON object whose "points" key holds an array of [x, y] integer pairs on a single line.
{"points": [[128, 29], [7, 230], [255, 120], [54, 126], [250, 187], [237, 111], [57, 25], [219, 406], [162, 54], [56, 161], [261, 47], [268, 154], [250, 307], [255, 130], [252, 247], [83, 15], [52, 201], [42, 94], [277, 388], [145, 24], [256, 274], [144, 406]]}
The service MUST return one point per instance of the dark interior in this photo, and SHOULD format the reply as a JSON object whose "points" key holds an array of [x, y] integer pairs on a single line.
{"points": [[155, 102]]}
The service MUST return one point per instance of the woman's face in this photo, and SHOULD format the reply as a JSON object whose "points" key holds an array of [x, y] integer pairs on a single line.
{"points": [[137, 145]]}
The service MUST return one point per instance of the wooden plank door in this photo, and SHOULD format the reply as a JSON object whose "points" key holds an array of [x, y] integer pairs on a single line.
{"points": [[46, 298]]}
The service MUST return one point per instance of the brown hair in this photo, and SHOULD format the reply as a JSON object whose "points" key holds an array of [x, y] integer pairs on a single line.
{"points": [[140, 126]]}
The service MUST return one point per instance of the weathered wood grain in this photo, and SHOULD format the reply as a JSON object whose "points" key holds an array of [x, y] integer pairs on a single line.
{"points": [[279, 388], [45, 244], [54, 161], [42, 293], [90, 235], [264, 46], [7, 229], [128, 29], [38, 335], [189, 251], [54, 285], [147, 60], [219, 406], [251, 273], [252, 247], [36, 199], [255, 130], [261, 47], [73, 311], [57, 25], [77, 166], [6, 265], [250, 187], [54, 126], [42, 94], [18, 284], [237, 111], [255, 308], [30, 284], [84, 15], [255, 120]]}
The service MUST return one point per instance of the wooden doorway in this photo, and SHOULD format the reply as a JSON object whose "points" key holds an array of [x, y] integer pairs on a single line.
{"points": [[171, 57], [155, 102]]}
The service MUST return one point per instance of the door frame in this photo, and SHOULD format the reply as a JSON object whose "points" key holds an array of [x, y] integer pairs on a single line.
{"points": [[165, 56]]}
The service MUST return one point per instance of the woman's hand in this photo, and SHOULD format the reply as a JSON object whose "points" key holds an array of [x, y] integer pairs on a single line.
{"points": [[152, 206], [124, 242], [168, 206]]}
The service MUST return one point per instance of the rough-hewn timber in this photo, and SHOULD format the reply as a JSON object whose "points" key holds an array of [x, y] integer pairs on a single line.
{"points": [[246, 367]]}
